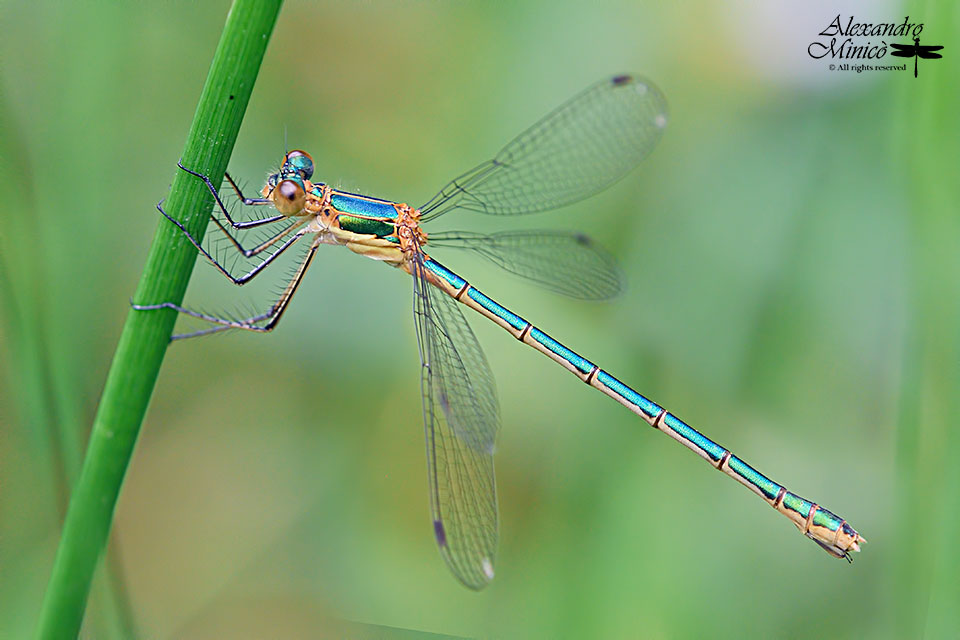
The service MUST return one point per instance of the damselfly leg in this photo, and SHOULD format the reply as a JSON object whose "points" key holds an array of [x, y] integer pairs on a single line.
{"points": [[270, 318], [247, 277], [250, 202], [266, 244]]}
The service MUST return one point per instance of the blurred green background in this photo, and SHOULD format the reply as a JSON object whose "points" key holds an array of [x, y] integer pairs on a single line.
{"points": [[790, 249]]}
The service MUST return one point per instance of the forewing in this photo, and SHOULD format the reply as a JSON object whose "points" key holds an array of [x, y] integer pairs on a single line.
{"points": [[581, 148], [903, 50], [567, 263], [461, 420]]}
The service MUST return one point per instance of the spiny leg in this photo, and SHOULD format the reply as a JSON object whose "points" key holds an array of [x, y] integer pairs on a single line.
{"points": [[250, 202], [250, 274], [269, 242], [250, 324]]}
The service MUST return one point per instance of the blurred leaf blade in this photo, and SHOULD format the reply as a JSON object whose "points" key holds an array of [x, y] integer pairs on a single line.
{"points": [[928, 524]]}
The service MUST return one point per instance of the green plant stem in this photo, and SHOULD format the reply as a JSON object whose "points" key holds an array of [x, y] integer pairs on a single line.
{"points": [[146, 335]]}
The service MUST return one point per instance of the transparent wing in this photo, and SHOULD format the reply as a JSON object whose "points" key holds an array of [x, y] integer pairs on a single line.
{"points": [[567, 263], [581, 148], [461, 418]]}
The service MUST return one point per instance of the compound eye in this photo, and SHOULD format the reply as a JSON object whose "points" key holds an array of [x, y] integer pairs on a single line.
{"points": [[301, 162], [289, 197]]}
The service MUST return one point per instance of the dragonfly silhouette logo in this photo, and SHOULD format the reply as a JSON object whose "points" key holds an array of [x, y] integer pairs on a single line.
{"points": [[916, 51]]}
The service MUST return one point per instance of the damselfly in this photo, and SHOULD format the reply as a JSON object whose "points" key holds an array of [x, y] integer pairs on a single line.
{"points": [[579, 149]]}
